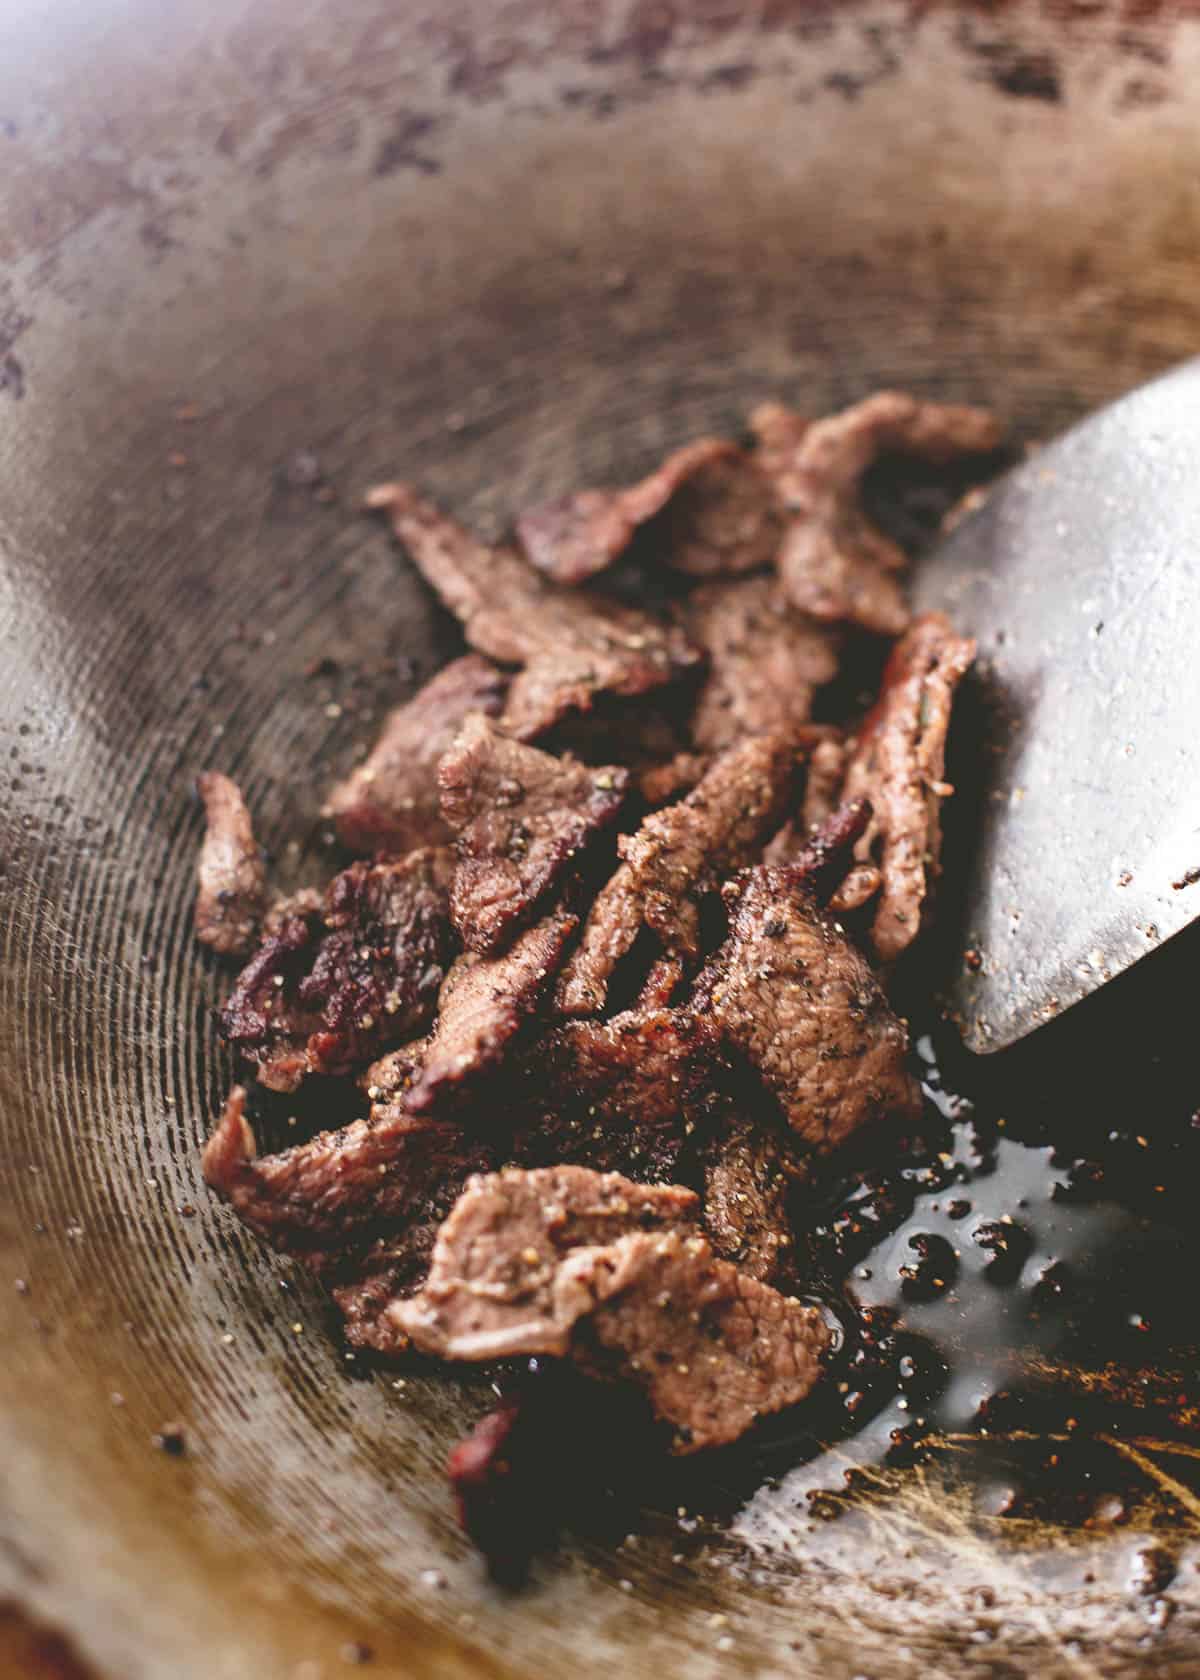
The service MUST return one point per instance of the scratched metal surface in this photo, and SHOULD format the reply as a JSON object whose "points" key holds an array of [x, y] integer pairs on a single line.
{"points": [[504, 249]]}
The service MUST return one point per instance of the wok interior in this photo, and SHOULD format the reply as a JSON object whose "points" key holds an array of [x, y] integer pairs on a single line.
{"points": [[504, 252]]}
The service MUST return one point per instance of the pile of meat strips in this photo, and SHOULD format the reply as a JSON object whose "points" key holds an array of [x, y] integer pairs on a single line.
{"points": [[610, 967]]}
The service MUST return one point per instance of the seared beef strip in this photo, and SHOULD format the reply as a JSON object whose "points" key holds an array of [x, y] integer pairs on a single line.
{"points": [[521, 817], [493, 1286], [483, 1006], [724, 521], [677, 856], [822, 786], [804, 1007], [573, 537], [390, 802], [826, 856], [898, 763], [749, 1172], [330, 1197], [319, 997], [660, 784], [833, 562], [572, 645], [231, 878], [765, 660]]}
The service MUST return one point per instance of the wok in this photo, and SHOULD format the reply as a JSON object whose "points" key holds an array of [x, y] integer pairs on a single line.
{"points": [[255, 256]]}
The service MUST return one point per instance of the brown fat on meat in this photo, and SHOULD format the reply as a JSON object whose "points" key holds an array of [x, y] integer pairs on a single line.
{"points": [[766, 660], [521, 817], [231, 877], [572, 645], [493, 1285], [333, 1196], [573, 537], [802, 1005], [898, 763], [677, 856], [325, 993], [390, 802], [484, 1004], [833, 562]]}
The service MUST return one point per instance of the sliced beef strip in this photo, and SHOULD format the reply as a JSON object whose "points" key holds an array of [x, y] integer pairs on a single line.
{"points": [[661, 784], [323, 994], [898, 763], [804, 1007], [231, 877], [390, 802], [777, 431], [493, 1285], [521, 817], [765, 660], [329, 1199], [715, 1349], [677, 856], [724, 521], [825, 858], [574, 537], [483, 1006], [572, 645], [749, 1172], [833, 562]]}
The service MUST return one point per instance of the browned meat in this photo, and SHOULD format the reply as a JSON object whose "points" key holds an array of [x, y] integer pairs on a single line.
{"points": [[777, 430], [323, 994], [822, 787], [725, 521], [621, 1095], [748, 1175], [898, 763], [659, 784], [824, 859], [714, 1349], [521, 817], [327, 1198], [572, 645], [231, 878], [796, 998], [494, 1282], [484, 1004], [574, 537], [677, 856], [390, 802], [765, 660], [833, 562]]}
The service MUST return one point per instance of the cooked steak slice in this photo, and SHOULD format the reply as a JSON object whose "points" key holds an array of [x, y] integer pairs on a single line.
{"points": [[521, 817], [573, 537], [777, 430], [324, 994], [659, 784], [898, 763], [231, 878], [625, 1094], [483, 1006], [748, 1175], [824, 859], [572, 645], [765, 660], [724, 521], [805, 1009], [833, 562], [714, 1349], [822, 786], [390, 802], [330, 1198], [494, 1282], [677, 856]]}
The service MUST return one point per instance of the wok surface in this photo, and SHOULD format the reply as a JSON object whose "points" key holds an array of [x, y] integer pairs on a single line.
{"points": [[502, 250]]}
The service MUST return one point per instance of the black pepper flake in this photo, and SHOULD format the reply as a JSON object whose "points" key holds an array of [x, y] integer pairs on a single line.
{"points": [[171, 1439], [354, 1651]]}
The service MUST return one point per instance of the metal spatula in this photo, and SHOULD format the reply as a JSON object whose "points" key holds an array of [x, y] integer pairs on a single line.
{"points": [[1080, 578]]}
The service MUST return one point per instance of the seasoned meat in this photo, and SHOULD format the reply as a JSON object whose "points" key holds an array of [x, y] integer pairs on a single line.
{"points": [[898, 763], [573, 537], [825, 858], [390, 802], [777, 430], [677, 856], [833, 562], [483, 1006], [571, 645], [494, 1283], [748, 1174], [330, 1198], [803, 1006], [621, 1095], [724, 521], [765, 660], [660, 784], [231, 878], [323, 994], [714, 1349], [822, 787], [521, 817]]}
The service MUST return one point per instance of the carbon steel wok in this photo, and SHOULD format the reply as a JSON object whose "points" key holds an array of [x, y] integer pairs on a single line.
{"points": [[504, 249]]}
